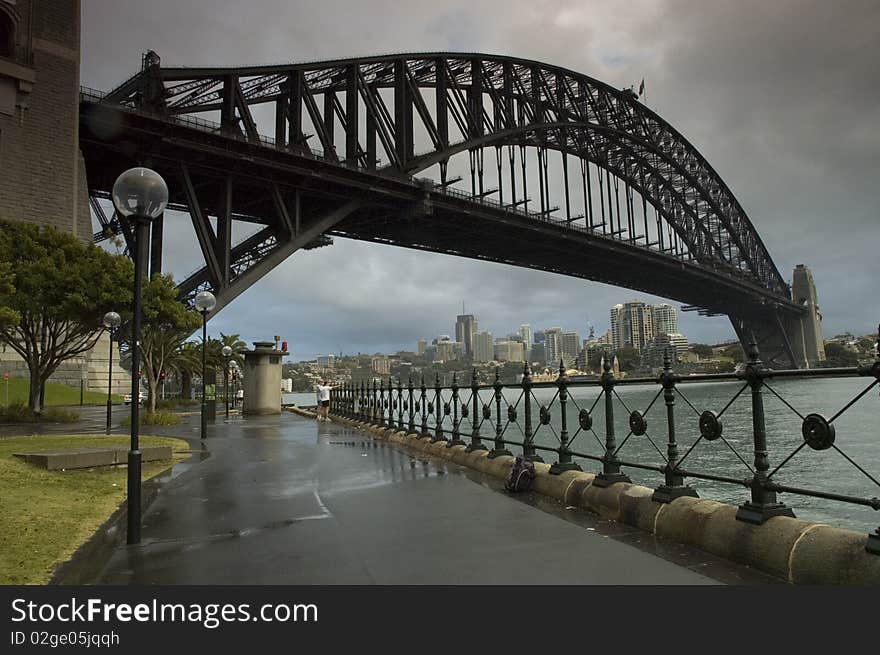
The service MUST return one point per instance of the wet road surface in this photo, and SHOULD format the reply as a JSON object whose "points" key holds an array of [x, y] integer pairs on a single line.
{"points": [[286, 500]]}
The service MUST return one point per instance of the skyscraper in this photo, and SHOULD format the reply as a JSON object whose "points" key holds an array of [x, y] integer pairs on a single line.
{"points": [[553, 345], [616, 321], [483, 347], [571, 343], [632, 325], [508, 351], [465, 329], [665, 320], [421, 346], [525, 331]]}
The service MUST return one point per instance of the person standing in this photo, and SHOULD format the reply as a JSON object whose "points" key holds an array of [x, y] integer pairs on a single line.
{"points": [[323, 393]]}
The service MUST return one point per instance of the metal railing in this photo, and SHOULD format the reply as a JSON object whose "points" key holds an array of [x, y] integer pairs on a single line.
{"points": [[500, 413]]}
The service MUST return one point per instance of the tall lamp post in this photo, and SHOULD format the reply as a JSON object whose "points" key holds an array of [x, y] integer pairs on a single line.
{"points": [[205, 302], [140, 195], [111, 322], [227, 353]]}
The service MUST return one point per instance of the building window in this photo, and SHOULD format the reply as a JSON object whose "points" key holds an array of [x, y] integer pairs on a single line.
{"points": [[7, 35]]}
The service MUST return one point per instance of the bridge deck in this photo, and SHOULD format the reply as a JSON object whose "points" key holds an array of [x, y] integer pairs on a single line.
{"points": [[284, 500]]}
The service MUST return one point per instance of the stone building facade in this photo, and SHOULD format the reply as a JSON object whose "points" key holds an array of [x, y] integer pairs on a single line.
{"points": [[42, 172]]}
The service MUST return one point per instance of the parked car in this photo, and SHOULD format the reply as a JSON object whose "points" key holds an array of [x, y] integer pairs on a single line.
{"points": [[142, 396]]}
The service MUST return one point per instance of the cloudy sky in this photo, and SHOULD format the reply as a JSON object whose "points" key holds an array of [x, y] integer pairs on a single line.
{"points": [[782, 98]]}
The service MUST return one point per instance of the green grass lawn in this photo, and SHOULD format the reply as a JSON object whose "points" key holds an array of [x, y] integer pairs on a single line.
{"points": [[56, 394], [46, 515]]}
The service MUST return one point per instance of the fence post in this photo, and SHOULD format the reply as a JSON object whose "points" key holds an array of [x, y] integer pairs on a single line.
{"points": [[438, 411], [423, 406], [872, 545], [400, 425], [412, 422], [528, 447], [674, 486], [456, 433], [763, 504], [381, 403], [610, 464], [373, 403], [564, 462], [475, 443], [498, 448]]}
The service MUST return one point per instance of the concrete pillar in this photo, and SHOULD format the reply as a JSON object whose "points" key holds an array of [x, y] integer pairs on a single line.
{"points": [[262, 379], [806, 334]]}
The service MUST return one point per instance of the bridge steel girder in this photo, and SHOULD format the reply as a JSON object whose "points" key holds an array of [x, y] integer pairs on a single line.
{"points": [[492, 101]]}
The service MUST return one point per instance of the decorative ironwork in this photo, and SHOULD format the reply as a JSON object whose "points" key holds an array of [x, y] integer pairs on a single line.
{"points": [[637, 423], [585, 419], [818, 431], [710, 425]]}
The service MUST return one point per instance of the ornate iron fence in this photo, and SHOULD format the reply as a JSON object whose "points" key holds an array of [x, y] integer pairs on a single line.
{"points": [[470, 414]]}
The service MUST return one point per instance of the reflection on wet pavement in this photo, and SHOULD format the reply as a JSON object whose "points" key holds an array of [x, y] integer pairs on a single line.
{"points": [[286, 500]]}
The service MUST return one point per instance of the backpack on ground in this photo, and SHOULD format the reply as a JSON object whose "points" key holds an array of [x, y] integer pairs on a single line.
{"points": [[522, 473]]}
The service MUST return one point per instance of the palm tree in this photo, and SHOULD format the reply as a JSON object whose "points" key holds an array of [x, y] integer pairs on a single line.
{"points": [[238, 347], [186, 361]]}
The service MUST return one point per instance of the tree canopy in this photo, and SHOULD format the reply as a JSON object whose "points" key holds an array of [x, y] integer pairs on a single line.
{"points": [[54, 292], [166, 324]]}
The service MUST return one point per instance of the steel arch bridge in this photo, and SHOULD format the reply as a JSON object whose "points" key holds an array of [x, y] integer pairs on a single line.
{"points": [[531, 164]]}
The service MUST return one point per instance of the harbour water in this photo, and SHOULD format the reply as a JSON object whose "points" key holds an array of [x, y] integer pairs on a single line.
{"points": [[828, 470]]}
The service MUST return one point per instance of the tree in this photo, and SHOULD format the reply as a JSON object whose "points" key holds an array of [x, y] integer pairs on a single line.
{"points": [[56, 290], [702, 350], [629, 359], [166, 325], [8, 316], [837, 354], [735, 352], [238, 347]]}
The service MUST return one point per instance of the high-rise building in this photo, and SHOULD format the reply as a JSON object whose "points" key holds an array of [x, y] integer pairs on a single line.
{"points": [[662, 343], [484, 350], [553, 345], [465, 329], [381, 365], [509, 351], [525, 331], [632, 325], [571, 344], [446, 351], [665, 320], [326, 361], [421, 346], [537, 354], [616, 325]]}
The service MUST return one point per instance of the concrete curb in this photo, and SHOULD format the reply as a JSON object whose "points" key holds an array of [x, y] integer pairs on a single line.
{"points": [[799, 551]]}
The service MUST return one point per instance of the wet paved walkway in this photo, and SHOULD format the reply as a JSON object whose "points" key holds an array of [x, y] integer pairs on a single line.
{"points": [[286, 500]]}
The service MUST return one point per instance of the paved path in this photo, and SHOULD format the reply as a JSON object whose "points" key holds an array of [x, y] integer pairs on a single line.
{"points": [[286, 500]]}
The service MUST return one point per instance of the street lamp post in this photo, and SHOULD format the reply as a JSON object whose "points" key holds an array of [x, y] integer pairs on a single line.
{"points": [[205, 302], [140, 195], [111, 322], [227, 353]]}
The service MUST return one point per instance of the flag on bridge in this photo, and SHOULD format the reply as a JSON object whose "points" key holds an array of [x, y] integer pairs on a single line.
{"points": [[642, 87]]}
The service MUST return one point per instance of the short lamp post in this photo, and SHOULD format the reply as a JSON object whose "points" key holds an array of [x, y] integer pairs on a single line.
{"points": [[140, 195], [205, 302], [227, 353], [111, 322]]}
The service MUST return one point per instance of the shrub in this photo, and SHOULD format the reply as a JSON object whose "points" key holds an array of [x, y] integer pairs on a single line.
{"points": [[19, 412], [154, 418]]}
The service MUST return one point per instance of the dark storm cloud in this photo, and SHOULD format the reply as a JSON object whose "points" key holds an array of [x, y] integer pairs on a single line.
{"points": [[781, 97]]}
